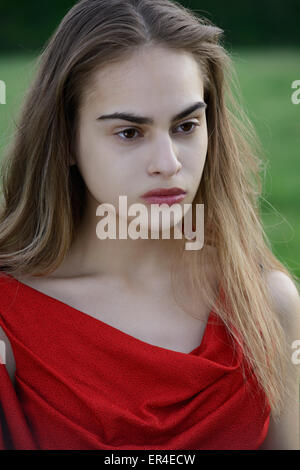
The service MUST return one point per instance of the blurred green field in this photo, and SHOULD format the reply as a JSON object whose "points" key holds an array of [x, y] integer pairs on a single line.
{"points": [[265, 79]]}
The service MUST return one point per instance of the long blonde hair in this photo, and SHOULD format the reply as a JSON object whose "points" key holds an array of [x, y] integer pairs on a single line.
{"points": [[44, 196]]}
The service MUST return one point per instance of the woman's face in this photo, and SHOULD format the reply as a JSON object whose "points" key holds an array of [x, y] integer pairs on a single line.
{"points": [[119, 157]]}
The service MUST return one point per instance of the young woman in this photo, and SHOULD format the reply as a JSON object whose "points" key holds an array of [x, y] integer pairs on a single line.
{"points": [[139, 343]]}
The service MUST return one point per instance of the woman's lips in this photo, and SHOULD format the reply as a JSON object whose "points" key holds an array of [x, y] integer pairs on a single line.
{"points": [[169, 200]]}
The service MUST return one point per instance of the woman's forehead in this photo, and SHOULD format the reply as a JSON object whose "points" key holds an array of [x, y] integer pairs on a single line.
{"points": [[145, 81]]}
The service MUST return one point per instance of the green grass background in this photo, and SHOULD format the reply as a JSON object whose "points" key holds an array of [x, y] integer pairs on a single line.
{"points": [[265, 78]]}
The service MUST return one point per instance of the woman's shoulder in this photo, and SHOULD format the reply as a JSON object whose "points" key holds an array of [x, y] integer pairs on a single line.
{"points": [[284, 293], [286, 303], [281, 280]]}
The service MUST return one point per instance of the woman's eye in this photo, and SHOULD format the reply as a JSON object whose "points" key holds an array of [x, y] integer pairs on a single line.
{"points": [[126, 131], [188, 124], [130, 132]]}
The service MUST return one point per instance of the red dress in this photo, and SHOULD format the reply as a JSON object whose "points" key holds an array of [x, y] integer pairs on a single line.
{"points": [[82, 384]]}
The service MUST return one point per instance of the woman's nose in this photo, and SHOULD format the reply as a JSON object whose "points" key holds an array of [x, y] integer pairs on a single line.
{"points": [[164, 160]]}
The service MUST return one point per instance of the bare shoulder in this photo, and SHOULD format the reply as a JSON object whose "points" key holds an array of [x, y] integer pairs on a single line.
{"points": [[286, 304], [284, 435], [283, 288], [286, 300]]}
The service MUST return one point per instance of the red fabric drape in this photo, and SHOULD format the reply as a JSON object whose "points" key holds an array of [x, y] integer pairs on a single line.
{"points": [[82, 384]]}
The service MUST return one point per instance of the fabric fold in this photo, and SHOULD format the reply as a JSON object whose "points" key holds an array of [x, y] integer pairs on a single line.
{"points": [[83, 384]]}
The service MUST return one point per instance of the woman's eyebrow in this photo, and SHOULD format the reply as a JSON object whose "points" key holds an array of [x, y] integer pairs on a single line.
{"points": [[146, 120]]}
